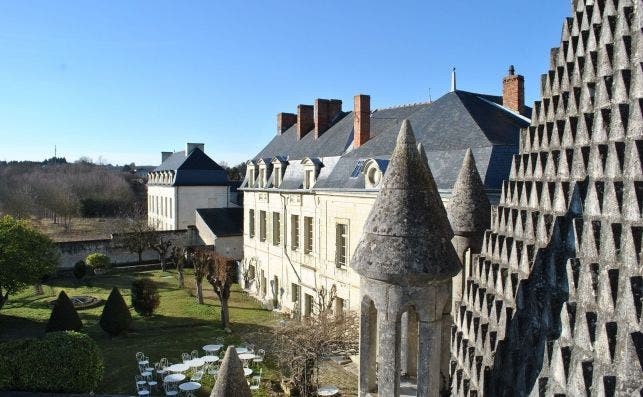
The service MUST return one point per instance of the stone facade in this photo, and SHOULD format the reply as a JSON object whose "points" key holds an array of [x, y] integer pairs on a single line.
{"points": [[552, 306]]}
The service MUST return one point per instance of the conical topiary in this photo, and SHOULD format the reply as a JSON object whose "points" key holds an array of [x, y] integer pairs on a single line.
{"points": [[64, 316], [116, 317]]}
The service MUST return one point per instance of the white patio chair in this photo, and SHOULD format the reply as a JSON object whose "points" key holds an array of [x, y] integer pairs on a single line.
{"points": [[261, 354], [197, 376], [151, 381], [140, 356], [171, 389], [186, 357], [255, 382], [250, 347], [194, 354], [213, 370], [142, 389]]}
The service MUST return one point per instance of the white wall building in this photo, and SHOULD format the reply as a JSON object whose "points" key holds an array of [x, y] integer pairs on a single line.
{"points": [[184, 182], [308, 193]]}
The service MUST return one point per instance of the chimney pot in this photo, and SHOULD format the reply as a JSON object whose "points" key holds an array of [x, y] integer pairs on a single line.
{"points": [[361, 120], [305, 120], [165, 156], [285, 121], [513, 91]]}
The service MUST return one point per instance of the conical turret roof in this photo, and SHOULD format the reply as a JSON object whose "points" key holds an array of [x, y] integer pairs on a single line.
{"points": [[469, 209], [231, 380], [407, 236]]}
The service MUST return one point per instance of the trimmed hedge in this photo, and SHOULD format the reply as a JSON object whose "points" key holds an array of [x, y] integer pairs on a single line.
{"points": [[116, 317], [60, 362], [145, 296], [80, 270], [64, 316], [98, 261]]}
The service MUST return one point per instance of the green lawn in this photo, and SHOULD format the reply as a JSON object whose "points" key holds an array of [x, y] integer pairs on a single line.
{"points": [[179, 324]]}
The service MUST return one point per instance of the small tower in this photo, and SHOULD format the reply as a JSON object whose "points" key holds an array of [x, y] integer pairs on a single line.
{"points": [[406, 261], [231, 380], [469, 212]]}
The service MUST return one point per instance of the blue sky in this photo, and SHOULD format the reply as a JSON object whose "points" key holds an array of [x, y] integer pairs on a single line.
{"points": [[124, 80]]}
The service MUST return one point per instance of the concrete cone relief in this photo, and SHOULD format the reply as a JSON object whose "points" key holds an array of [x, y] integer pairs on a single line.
{"points": [[552, 305]]}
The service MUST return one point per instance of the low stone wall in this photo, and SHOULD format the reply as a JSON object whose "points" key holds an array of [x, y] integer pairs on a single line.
{"points": [[73, 251]]}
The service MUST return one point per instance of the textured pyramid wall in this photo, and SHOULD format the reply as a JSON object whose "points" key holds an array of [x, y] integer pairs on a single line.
{"points": [[552, 305]]}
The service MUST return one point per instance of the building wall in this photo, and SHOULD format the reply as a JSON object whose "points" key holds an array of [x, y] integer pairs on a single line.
{"points": [[161, 207], [231, 246], [192, 197]]}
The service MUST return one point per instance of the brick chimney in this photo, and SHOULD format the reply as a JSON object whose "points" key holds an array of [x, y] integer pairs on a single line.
{"points": [[513, 91], [361, 120], [191, 146], [285, 121], [325, 112], [305, 120]]}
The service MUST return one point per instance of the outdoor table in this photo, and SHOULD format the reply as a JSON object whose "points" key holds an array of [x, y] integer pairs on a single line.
{"points": [[173, 378], [178, 367], [247, 371], [195, 362], [210, 359], [247, 356], [327, 391], [189, 387], [241, 350], [144, 362], [212, 348]]}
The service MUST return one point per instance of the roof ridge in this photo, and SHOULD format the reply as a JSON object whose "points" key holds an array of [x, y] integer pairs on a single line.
{"points": [[404, 105]]}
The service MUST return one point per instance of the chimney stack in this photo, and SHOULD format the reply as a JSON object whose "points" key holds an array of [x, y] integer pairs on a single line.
{"points": [[305, 120], [165, 156], [453, 82], [513, 91], [325, 112], [361, 120], [191, 146], [285, 121]]}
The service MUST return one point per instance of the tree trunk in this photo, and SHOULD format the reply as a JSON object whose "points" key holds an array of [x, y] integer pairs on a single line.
{"points": [[181, 279], [140, 257], [162, 264], [225, 316], [38, 289], [3, 298], [199, 292]]}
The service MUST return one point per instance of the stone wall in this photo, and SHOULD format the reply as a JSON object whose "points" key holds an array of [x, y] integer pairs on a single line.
{"points": [[73, 251]]}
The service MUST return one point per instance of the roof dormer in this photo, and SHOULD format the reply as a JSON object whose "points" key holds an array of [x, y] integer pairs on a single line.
{"points": [[279, 165], [374, 172], [265, 168], [251, 173], [311, 171]]}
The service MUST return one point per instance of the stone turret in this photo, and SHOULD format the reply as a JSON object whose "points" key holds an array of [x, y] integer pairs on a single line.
{"points": [[406, 261], [469, 211], [231, 380]]}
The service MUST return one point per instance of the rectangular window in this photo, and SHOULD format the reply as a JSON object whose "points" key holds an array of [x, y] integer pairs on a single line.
{"points": [[308, 305], [251, 223], [261, 177], [277, 172], [308, 179], [294, 292], [341, 244], [294, 232], [308, 235], [262, 226], [251, 182], [170, 207], [276, 228]]}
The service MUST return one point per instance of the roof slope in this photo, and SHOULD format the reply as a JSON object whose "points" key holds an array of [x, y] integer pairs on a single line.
{"points": [[195, 169], [223, 221], [407, 237]]}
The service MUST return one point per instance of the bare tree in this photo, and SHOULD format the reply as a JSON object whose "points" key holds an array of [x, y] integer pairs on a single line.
{"points": [[135, 233], [221, 272], [248, 271], [200, 258], [325, 298], [302, 345], [179, 257], [162, 246]]}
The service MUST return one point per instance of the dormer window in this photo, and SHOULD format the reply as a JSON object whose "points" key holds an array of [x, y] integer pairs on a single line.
{"points": [[374, 172], [251, 176], [311, 170], [277, 175], [279, 165], [262, 176]]}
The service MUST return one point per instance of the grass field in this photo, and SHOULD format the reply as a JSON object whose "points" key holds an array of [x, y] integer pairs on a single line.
{"points": [[81, 228], [179, 325]]}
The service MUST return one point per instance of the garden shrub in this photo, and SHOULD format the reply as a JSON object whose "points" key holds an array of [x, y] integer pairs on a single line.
{"points": [[145, 296], [59, 362], [116, 317], [64, 316], [80, 270], [98, 261]]}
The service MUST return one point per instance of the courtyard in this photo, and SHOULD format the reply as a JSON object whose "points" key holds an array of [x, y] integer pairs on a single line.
{"points": [[179, 325]]}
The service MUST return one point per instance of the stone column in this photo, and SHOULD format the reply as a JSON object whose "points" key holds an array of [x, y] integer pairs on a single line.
{"points": [[388, 374], [430, 337], [367, 350]]}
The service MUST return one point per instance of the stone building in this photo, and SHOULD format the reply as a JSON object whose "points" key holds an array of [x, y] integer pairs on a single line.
{"points": [[308, 193], [552, 306], [191, 189]]}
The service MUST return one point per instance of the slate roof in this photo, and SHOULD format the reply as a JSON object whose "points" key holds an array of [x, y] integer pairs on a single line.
{"points": [[446, 127], [195, 169], [223, 221]]}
